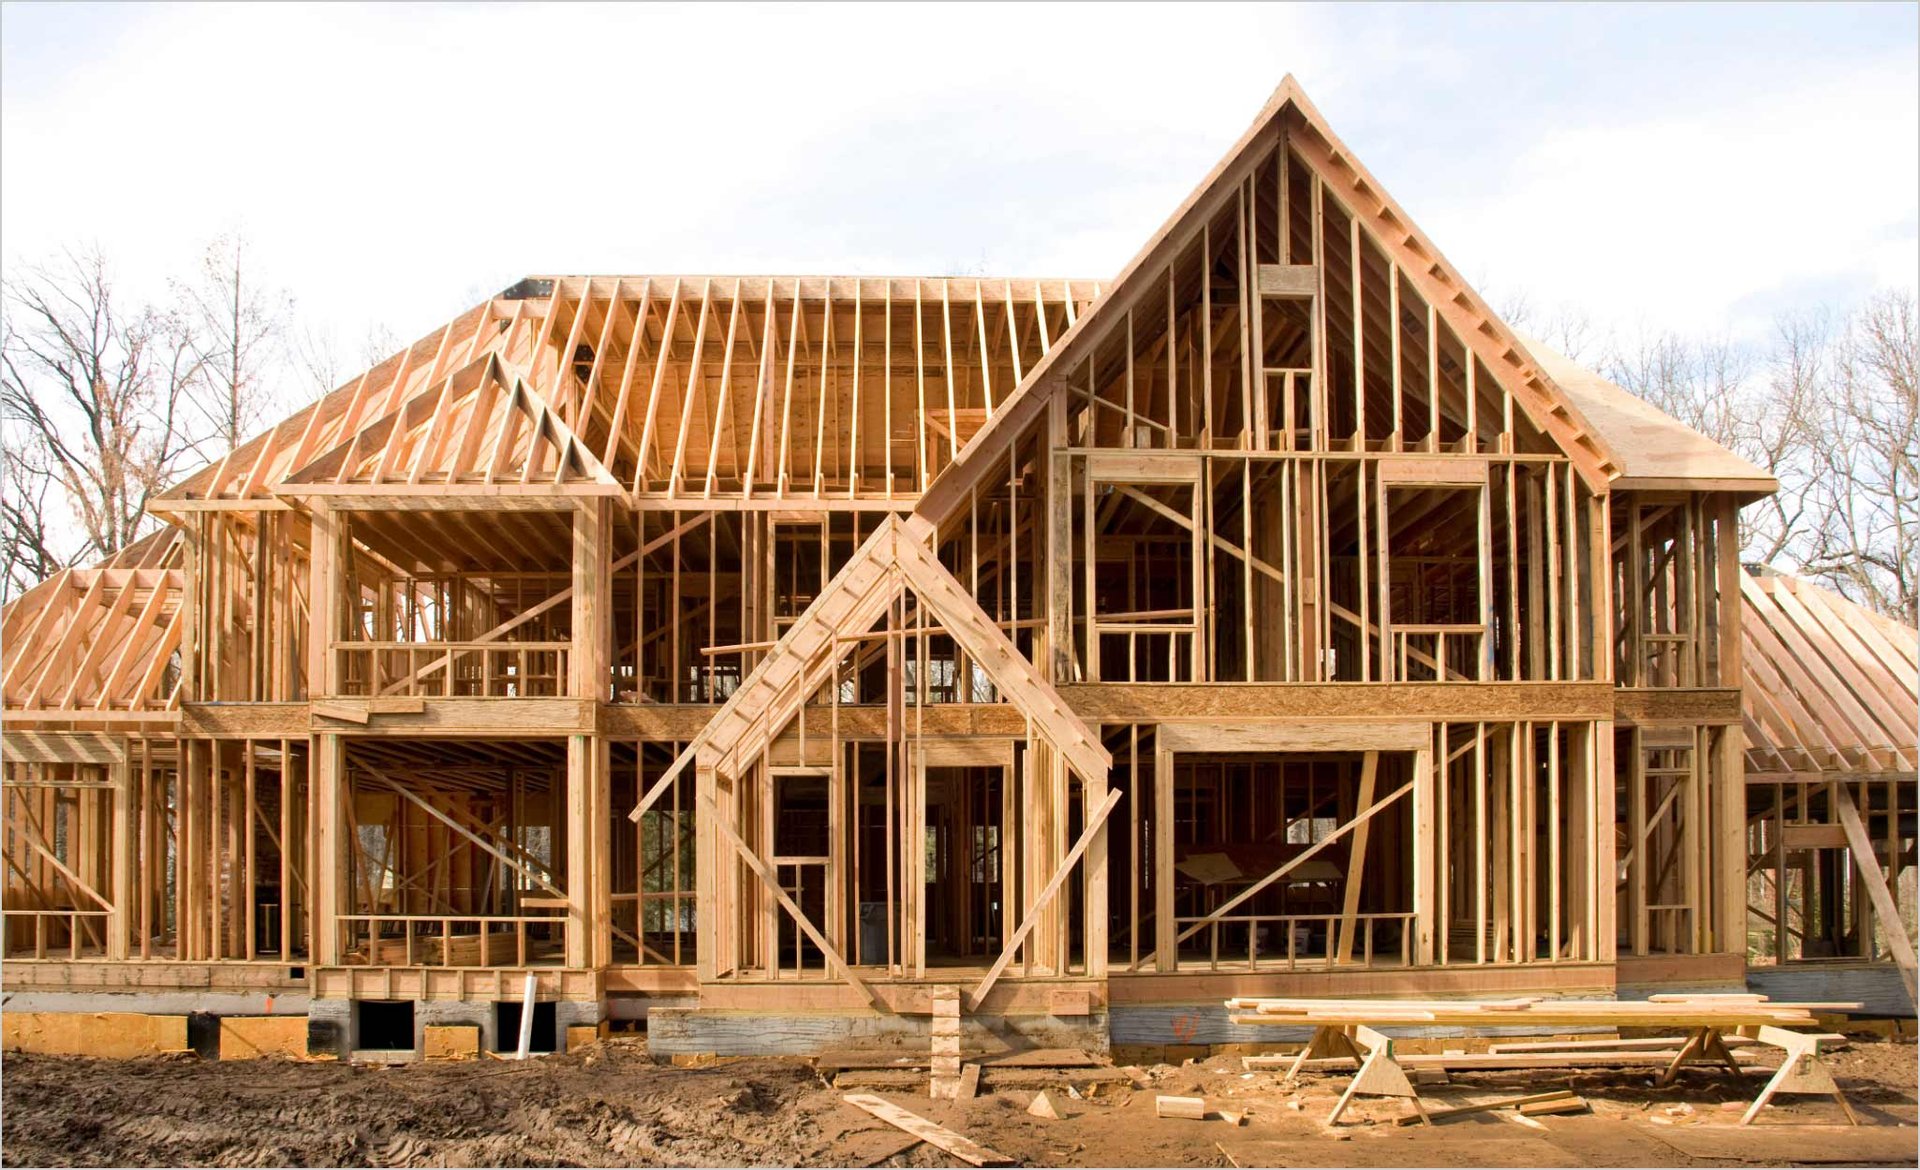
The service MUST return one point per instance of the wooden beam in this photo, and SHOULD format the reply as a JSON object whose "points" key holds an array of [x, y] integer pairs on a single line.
{"points": [[1885, 907], [1094, 823], [1357, 859]]}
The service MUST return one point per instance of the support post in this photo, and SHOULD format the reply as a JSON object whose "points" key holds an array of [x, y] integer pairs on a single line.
{"points": [[330, 848], [121, 858]]}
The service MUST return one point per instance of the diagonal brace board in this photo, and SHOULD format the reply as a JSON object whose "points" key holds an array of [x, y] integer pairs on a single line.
{"points": [[499, 855], [1884, 907], [1053, 885], [510, 862], [1227, 907], [769, 879]]}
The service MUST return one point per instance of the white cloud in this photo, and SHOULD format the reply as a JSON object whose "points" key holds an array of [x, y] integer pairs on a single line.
{"points": [[394, 164], [1709, 218]]}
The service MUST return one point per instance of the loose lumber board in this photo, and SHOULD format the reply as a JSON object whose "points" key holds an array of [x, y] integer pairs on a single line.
{"points": [[963, 1148], [1424, 1147], [1843, 1144], [1044, 1058], [1518, 1060], [848, 1059], [910, 1080], [870, 1147], [1521, 1101]]}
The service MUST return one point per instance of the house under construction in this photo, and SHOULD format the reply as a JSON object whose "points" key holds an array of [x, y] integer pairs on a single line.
{"points": [[752, 654]]}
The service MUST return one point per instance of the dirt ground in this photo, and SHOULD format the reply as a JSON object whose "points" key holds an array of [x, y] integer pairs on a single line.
{"points": [[613, 1106]]}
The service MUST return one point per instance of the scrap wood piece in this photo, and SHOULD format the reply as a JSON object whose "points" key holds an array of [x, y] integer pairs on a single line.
{"points": [[1520, 1102], [1042, 1078], [1187, 1108], [1569, 1104], [963, 1148], [969, 1081]]}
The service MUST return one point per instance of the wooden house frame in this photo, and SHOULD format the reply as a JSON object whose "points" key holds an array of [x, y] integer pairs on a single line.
{"points": [[1270, 619]]}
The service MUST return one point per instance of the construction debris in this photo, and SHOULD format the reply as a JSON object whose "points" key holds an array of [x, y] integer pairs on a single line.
{"points": [[1568, 1104], [1521, 1102], [1190, 1108], [960, 1147]]}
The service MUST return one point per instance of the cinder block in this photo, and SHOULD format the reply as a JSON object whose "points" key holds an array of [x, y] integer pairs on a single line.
{"points": [[451, 1042], [252, 1037], [946, 1045]]}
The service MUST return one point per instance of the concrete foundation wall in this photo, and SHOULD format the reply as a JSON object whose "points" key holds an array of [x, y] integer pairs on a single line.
{"points": [[1876, 986], [687, 1031]]}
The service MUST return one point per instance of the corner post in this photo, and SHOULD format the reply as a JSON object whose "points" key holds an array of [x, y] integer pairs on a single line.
{"points": [[329, 848]]}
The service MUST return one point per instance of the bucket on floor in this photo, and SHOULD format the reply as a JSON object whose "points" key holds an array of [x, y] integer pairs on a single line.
{"points": [[873, 933]]}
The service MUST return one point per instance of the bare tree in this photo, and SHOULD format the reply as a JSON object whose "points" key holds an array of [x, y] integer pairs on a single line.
{"points": [[239, 326], [1568, 329], [30, 539], [91, 399], [1866, 542]]}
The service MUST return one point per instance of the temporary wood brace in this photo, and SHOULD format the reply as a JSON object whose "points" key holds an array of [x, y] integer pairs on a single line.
{"points": [[1885, 908], [772, 882], [1095, 821]]}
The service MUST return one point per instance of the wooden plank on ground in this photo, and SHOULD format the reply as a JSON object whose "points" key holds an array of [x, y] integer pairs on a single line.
{"points": [[1044, 1058], [963, 1148], [1843, 1144], [842, 1059], [1483, 1106]]}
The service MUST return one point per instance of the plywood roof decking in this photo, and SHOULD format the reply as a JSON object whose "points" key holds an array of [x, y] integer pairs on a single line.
{"points": [[1656, 450], [1831, 688]]}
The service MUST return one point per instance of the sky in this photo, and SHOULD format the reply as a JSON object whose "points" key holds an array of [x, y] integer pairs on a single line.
{"points": [[1661, 167]]}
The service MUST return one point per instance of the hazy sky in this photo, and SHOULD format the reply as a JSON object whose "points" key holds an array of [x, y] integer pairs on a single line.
{"points": [[1696, 168]]}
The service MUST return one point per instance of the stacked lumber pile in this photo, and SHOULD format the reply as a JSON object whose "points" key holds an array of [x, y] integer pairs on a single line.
{"points": [[1718, 1011]]}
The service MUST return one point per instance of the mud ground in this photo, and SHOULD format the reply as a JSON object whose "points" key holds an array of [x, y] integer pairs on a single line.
{"points": [[613, 1106]]}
